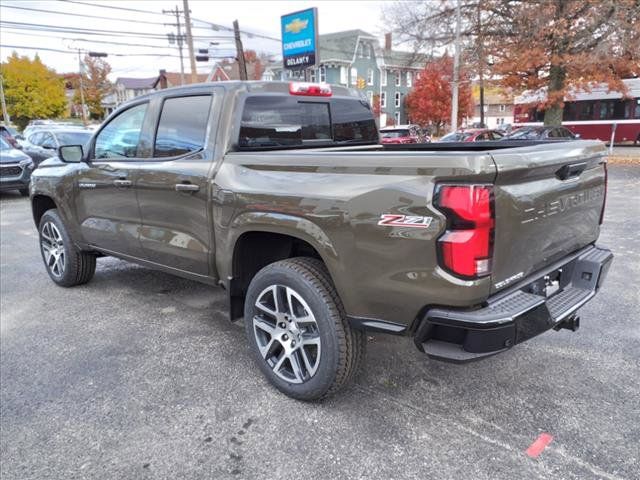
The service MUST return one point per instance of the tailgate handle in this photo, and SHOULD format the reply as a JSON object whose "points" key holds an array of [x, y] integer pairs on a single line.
{"points": [[571, 170]]}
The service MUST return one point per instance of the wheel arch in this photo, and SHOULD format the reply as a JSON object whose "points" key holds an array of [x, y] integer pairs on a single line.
{"points": [[39, 205], [256, 248]]}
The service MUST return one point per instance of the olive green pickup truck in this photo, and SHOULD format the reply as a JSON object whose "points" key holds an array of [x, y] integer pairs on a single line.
{"points": [[281, 194]]}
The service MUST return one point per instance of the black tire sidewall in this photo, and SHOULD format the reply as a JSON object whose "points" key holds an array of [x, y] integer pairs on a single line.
{"points": [[325, 376], [69, 276]]}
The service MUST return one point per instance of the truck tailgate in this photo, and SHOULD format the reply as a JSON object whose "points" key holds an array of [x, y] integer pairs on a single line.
{"points": [[548, 202]]}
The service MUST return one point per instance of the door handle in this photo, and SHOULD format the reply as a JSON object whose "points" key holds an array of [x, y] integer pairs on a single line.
{"points": [[122, 183], [187, 187]]}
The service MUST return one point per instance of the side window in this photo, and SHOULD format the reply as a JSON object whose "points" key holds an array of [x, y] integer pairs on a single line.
{"points": [[183, 125], [119, 138], [48, 141], [35, 138]]}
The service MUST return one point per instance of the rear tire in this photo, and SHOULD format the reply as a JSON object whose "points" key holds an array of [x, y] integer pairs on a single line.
{"points": [[65, 263], [298, 332]]}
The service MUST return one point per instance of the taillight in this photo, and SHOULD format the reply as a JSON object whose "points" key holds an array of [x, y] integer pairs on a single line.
{"points": [[604, 200], [466, 247], [310, 89]]}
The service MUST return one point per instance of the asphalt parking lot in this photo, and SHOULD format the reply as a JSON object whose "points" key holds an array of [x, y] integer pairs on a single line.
{"points": [[140, 375]]}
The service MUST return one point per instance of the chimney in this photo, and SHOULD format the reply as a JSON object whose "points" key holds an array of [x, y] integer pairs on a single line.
{"points": [[163, 79], [387, 41]]}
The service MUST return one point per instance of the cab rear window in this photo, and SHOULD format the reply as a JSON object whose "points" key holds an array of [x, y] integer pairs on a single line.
{"points": [[271, 121]]}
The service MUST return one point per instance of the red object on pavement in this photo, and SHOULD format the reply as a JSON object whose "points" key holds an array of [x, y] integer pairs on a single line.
{"points": [[536, 448]]}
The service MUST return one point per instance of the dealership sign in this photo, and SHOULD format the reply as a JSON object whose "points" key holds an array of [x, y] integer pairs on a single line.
{"points": [[300, 39]]}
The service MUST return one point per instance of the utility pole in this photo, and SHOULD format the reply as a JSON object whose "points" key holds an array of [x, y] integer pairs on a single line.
{"points": [[5, 115], [179, 40], [481, 64], [242, 66], [456, 73], [192, 57], [83, 106]]}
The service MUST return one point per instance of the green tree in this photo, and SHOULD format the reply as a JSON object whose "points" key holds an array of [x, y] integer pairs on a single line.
{"points": [[95, 84], [32, 90]]}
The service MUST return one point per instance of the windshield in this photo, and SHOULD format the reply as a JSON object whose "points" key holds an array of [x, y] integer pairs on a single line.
{"points": [[282, 121], [456, 137], [394, 133], [73, 138], [4, 145]]}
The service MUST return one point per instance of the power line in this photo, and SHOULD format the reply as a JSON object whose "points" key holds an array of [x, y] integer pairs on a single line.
{"points": [[214, 25], [47, 35], [113, 7], [86, 31], [109, 54], [75, 52], [80, 15]]}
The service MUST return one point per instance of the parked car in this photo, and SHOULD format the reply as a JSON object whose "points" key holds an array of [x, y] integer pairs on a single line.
{"points": [[473, 135], [403, 134], [281, 194], [43, 144], [15, 168], [10, 135], [542, 133]]}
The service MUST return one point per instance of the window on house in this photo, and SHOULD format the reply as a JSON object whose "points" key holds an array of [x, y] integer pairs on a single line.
{"points": [[398, 78], [323, 74], [396, 117], [502, 108], [354, 76], [383, 99], [312, 75], [343, 75], [383, 78], [397, 99], [370, 97], [409, 79], [370, 76]]}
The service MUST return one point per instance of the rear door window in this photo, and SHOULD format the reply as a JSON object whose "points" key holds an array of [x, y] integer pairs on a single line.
{"points": [[183, 125]]}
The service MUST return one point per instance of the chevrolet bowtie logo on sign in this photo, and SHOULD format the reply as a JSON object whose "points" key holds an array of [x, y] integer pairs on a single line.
{"points": [[300, 39], [296, 26]]}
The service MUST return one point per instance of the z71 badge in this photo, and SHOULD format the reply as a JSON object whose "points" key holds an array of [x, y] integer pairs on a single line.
{"points": [[390, 220]]}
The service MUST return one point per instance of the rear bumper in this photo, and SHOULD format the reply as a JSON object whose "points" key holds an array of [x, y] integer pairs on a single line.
{"points": [[515, 316]]}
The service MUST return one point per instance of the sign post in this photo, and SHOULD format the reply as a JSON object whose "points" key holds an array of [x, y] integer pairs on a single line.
{"points": [[300, 39]]}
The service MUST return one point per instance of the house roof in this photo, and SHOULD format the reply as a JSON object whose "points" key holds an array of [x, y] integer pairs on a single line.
{"points": [[136, 83], [173, 78], [340, 46], [232, 71]]}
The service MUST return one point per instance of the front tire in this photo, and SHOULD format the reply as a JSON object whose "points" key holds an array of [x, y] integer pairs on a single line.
{"points": [[298, 332], [65, 263]]}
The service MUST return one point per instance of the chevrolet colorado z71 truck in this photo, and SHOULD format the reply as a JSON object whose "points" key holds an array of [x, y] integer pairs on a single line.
{"points": [[281, 194]]}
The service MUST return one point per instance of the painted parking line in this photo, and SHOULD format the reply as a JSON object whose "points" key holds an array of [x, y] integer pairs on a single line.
{"points": [[536, 448]]}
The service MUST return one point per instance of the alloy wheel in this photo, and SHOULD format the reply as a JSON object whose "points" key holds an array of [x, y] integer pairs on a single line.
{"points": [[287, 333], [53, 249]]}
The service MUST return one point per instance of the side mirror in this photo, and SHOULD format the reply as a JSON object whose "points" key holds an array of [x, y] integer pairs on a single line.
{"points": [[577, 135], [71, 153]]}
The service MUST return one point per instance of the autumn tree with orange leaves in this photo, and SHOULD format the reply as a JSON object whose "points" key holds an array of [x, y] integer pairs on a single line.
{"points": [[559, 46], [429, 102]]}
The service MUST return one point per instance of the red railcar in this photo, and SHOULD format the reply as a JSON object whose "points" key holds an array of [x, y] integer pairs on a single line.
{"points": [[594, 114]]}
